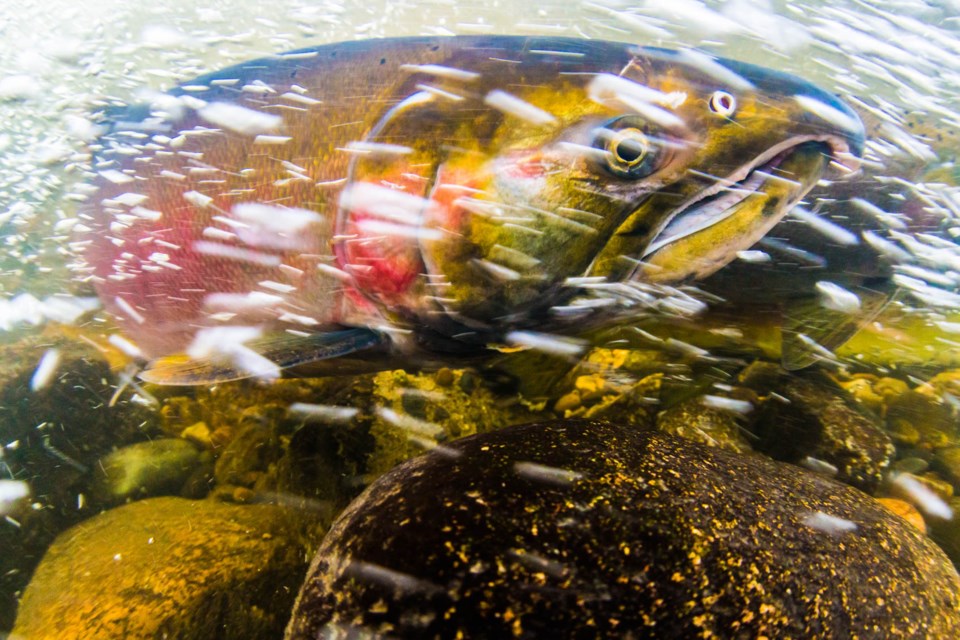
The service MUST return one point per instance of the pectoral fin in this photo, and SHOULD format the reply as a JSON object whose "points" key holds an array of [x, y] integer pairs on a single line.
{"points": [[811, 332], [267, 357]]}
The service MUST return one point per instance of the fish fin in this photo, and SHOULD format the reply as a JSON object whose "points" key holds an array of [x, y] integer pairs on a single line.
{"points": [[812, 332], [270, 355]]}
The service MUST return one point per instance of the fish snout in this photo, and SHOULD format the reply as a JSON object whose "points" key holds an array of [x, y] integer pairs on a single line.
{"points": [[816, 112]]}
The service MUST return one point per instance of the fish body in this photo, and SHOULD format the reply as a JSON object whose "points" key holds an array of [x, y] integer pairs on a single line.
{"points": [[437, 194]]}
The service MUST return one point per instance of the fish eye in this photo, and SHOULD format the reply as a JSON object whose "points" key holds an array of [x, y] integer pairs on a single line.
{"points": [[722, 103], [629, 152]]}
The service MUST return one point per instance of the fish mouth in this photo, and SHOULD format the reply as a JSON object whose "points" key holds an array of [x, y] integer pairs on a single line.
{"points": [[721, 200]]}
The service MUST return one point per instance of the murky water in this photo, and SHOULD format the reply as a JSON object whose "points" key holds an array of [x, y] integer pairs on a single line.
{"points": [[830, 343]]}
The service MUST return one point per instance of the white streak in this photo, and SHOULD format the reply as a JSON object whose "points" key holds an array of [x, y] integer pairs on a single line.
{"points": [[727, 404], [829, 114], [302, 99], [888, 219], [130, 199], [754, 255], [512, 105], [241, 302], [828, 524], [197, 199], [225, 345], [441, 71], [324, 412], [820, 466], [385, 203], [128, 309], [921, 496], [279, 287], [831, 230], [546, 474], [409, 423], [116, 177], [240, 119], [11, 492], [836, 298], [265, 139], [236, 253], [546, 343], [498, 271], [709, 66], [125, 346], [606, 88], [45, 370], [273, 219], [377, 148], [886, 247]]}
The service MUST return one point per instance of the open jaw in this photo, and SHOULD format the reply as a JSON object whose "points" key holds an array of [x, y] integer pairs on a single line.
{"points": [[720, 200]]}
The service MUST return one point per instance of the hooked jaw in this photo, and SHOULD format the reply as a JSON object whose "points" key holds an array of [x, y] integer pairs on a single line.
{"points": [[825, 132], [718, 201]]}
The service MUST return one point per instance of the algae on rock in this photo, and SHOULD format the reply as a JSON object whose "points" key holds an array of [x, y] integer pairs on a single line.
{"points": [[169, 567]]}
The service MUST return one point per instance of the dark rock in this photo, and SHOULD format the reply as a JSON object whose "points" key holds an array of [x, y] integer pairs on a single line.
{"points": [[810, 415], [587, 529], [169, 568]]}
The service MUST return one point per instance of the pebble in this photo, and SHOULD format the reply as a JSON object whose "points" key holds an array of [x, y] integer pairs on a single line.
{"points": [[906, 511]]}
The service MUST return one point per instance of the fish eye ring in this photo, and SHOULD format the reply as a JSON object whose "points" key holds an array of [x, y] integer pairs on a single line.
{"points": [[722, 103], [628, 149]]}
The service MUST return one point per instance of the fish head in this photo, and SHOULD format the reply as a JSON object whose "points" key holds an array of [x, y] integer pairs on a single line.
{"points": [[654, 165]]}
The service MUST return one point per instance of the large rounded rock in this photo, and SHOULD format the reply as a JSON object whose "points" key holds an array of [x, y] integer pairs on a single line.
{"points": [[168, 568], [586, 529]]}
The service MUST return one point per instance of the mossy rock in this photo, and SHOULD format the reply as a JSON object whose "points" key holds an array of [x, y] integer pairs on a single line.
{"points": [[151, 468], [809, 414], [588, 529], [168, 567], [52, 438]]}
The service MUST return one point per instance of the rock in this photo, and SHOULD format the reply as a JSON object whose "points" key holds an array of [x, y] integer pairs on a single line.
{"points": [[568, 402], [151, 468], [52, 438], [249, 453], [810, 415], [924, 414], [695, 420], [413, 411], [168, 567], [947, 462], [861, 389], [910, 464], [903, 433], [199, 434], [613, 531], [946, 533], [906, 511], [937, 485]]}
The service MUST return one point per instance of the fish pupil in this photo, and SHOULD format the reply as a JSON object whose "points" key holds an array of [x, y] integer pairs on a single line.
{"points": [[630, 151]]}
